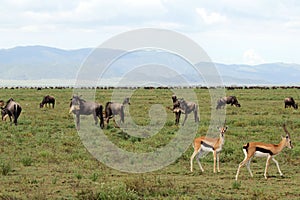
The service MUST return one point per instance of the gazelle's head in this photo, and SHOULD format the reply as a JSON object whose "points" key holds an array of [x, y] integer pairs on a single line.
{"points": [[222, 130], [288, 141]]}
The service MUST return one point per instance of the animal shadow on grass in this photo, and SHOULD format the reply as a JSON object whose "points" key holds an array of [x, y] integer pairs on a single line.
{"points": [[124, 135]]}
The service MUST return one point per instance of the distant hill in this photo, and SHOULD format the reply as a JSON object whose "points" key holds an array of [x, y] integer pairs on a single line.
{"points": [[40, 62], [269, 73]]}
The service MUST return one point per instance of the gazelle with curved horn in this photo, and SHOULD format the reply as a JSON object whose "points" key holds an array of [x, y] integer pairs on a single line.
{"points": [[205, 144], [259, 149]]}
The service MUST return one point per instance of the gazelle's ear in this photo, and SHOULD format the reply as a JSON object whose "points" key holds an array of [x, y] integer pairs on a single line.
{"points": [[219, 128]]}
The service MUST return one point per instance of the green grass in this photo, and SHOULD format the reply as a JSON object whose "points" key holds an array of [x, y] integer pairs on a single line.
{"points": [[44, 157]]}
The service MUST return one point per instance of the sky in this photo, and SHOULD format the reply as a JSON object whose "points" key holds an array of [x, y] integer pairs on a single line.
{"points": [[230, 31]]}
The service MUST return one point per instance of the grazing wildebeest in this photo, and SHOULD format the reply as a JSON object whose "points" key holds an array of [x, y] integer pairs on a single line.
{"points": [[185, 107], [81, 107], [227, 100], [112, 109], [48, 100], [290, 102], [11, 109]]}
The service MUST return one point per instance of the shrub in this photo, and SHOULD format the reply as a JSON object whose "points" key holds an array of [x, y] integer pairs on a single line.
{"points": [[5, 168], [27, 161], [236, 185], [109, 191]]}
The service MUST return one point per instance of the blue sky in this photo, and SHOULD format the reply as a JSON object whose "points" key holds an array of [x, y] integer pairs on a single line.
{"points": [[230, 31]]}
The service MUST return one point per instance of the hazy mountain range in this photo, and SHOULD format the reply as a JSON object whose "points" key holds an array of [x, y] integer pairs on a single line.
{"points": [[45, 63]]}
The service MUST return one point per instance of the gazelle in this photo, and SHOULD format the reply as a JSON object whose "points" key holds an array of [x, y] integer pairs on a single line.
{"points": [[204, 144], [259, 149]]}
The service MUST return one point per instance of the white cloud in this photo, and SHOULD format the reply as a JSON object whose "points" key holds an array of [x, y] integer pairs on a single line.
{"points": [[251, 57], [77, 12], [225, 28], [293, 24], [210, 17]]}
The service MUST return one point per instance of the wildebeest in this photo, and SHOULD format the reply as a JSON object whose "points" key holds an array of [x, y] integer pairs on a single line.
{"points": [[184, 107], [112, 109], [79, 106], [227, 100], [11, 109], [290, 102], [176, 109], [48, 100]]}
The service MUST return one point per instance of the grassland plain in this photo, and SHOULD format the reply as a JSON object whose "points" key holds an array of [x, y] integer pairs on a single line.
{"points": [[44, 158]]}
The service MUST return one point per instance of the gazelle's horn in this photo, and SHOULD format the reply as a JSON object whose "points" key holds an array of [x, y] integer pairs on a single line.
{"points": [[285, 130]]}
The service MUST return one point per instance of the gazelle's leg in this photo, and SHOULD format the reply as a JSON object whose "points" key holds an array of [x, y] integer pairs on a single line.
{"points": [[192, 159], [276, 162], [215, 158], [248, 167], [267, 165], [241, 165], [218, 162], [198, 161]]}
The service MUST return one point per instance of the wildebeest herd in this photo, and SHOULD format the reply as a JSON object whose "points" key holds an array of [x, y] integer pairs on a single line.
{"points": [[78, 106]]}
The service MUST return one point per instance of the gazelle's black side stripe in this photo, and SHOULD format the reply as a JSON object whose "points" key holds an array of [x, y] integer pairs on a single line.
{"points": [[260, 149], [207, 145]]}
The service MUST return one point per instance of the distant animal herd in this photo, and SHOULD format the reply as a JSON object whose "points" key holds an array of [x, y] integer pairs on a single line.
{"points": [[78, 106]]}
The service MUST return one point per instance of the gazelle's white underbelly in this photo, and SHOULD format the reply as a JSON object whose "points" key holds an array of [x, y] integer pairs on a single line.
{"points": [[261, 154], [207, 149]]}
